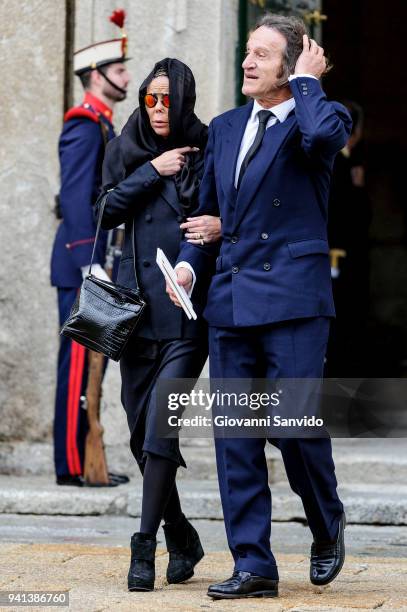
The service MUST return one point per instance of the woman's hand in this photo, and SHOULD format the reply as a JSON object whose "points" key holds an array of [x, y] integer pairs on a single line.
{"points": [[171, 162], [203, 229], [184, 279]]}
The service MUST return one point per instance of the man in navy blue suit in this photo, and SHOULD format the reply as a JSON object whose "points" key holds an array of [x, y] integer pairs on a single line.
{"points": [[86, 131], [267, 173]]}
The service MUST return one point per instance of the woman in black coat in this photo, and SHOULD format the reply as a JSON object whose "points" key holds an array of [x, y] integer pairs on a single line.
{"points": [[153, 170]]}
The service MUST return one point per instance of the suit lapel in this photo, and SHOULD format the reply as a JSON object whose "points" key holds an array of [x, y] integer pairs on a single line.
{"points": [[236, 126], [273, 139], [170, 196]]}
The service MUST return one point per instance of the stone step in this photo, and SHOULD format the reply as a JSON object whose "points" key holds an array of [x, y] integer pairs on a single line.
{"points": [[364, 504], [366, 461], [370, 461]]}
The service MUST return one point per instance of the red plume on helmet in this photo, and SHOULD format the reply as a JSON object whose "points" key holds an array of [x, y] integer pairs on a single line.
{"points": [[118, 17], [105, 52]]}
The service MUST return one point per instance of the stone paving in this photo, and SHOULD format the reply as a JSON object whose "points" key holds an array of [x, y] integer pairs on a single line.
{"points": [[72, 539], [292, 537], [96, 579]]}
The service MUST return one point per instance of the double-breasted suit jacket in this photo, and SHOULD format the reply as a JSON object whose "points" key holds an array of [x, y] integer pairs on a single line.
{"points": [[273, 261], [152, 202], [165, 344]]}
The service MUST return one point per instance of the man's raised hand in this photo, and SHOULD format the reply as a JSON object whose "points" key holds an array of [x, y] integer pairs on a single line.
{"points": [[312, 59]]}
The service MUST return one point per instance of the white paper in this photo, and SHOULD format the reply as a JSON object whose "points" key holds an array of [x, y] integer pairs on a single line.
{"points": [[171, 277]]}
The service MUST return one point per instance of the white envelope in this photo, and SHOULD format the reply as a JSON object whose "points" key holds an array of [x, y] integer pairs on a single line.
{"points": [[171, 277]]}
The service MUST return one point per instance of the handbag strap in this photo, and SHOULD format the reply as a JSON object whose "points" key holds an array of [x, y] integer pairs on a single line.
{"points": [[101, 210]]}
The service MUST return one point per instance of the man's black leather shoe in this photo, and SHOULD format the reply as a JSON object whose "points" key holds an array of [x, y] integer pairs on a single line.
{"points": [[244, 584], [327, 557]]}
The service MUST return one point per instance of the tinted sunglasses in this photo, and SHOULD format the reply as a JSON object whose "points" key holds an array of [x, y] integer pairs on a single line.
{"points": [[151, 100]]}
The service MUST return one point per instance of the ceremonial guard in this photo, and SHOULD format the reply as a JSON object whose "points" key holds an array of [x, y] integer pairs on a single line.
{"points": [[86, 131]]}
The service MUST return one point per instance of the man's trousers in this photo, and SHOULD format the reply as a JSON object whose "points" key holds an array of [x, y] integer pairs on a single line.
{"points": [[292, 349], [70, 422]]}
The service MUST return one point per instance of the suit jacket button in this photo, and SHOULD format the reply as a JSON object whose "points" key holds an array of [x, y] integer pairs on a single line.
{"points": [[146, 184], [264, 236], [235, 269], [146, 263], [234, 239], [180, 219], [148, 218], [267, 266], [276, 202]]}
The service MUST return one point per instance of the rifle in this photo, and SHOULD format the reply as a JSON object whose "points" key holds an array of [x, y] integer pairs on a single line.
{"points": [[95, 468]]}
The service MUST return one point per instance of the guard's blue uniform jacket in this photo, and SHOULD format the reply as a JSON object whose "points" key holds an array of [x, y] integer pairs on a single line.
{"points": [[86, 130]]}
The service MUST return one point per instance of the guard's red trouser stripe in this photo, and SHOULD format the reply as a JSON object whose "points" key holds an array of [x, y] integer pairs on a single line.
{"points": [[76, 368]]}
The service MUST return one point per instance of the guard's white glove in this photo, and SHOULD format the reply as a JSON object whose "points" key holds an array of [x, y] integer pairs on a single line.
{"points": [[97, 271]]}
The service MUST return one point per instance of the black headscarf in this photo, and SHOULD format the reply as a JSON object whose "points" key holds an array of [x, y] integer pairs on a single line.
{"points": [[139, 143]]}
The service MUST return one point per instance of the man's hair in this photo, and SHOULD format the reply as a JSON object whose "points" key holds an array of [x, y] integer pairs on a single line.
{"points": [[85, 79], [85, 76], [293, 30]]}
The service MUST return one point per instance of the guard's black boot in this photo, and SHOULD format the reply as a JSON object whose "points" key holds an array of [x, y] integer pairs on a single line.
{"points": [[142, 567], [185, 550]]}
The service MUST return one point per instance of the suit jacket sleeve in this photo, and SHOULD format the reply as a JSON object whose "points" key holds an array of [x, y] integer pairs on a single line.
{"points": [[127, 193], [201, 258], [80, 151], [325, 126]]}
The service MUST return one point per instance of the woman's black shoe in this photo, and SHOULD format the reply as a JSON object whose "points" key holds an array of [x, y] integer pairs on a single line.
{"points": [[142, 567], [185, 550]]}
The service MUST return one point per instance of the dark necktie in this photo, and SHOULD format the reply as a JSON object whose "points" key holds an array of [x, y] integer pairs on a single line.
{"points": [[263, 116]]}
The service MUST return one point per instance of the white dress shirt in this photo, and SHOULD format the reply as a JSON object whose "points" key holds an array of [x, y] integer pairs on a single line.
{"points": [[280, 113]]}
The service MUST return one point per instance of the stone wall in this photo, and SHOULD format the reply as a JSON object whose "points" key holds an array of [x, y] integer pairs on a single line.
{"points": [[202, 34], [32, 73]]}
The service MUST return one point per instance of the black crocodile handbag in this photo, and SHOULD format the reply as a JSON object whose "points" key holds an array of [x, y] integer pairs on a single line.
{"points": [[104, 314]]}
